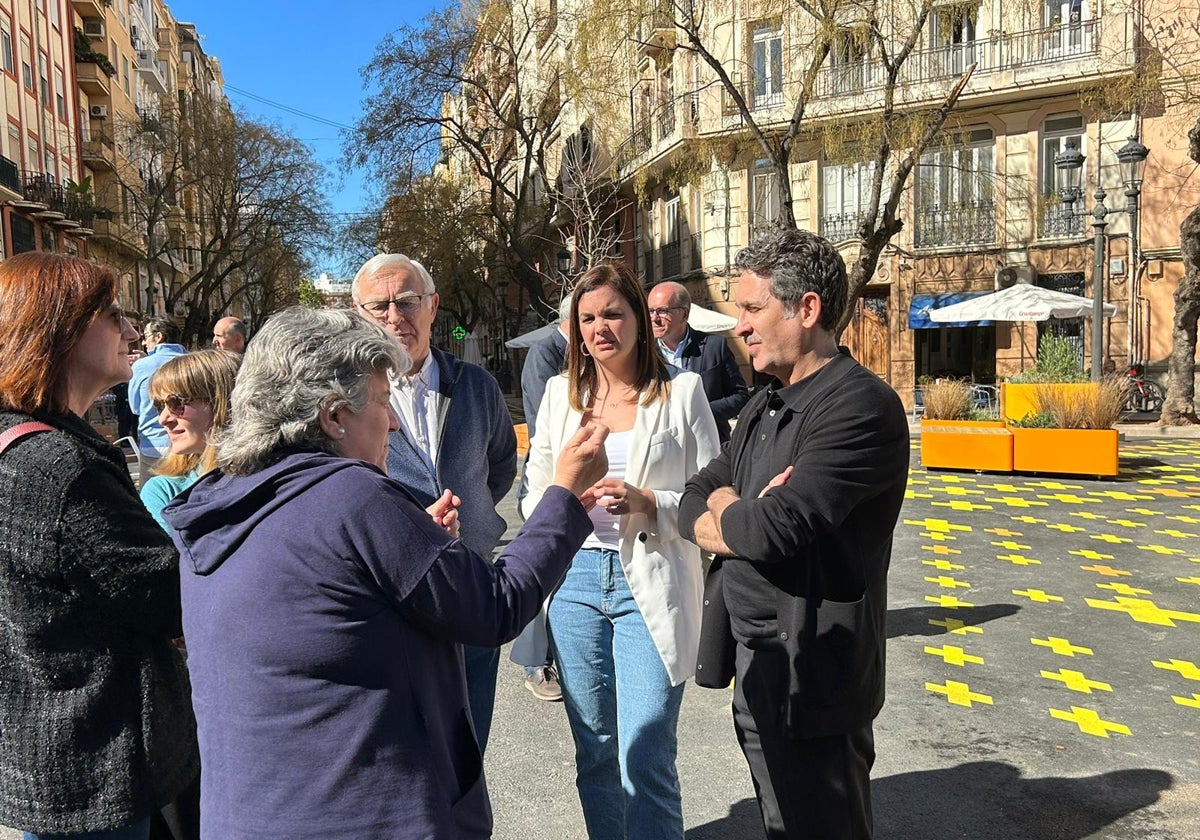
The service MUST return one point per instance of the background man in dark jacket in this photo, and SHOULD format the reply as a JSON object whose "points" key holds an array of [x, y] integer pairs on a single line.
{"points": [[699, 352], [801, 507]]}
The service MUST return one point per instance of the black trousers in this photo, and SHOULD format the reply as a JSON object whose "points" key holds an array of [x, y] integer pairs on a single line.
{"points": [[810, 788]]}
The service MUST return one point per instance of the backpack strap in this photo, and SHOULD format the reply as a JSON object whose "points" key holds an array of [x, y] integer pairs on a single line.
{"points": [[22, 430]]}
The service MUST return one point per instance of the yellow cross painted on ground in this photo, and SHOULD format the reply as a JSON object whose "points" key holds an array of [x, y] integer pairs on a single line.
{"points": [[913, 494], [1112, 539], [1190, 520], [1061, 646], [963, 506], [955, 479], [1054, 485], [947, 582], [1076, 681], [948, 601], [1027, 519], [1148, 512], [1143, 611], [1193, 701], [1005, 488], [1185, 669], [1161, 549], [937, 525], [954, 625], [1172, 494], [1195, 580], [1180, 535], [1003, 532], [959, 694], [958, 491], [943, 565], [1037, 595], [1107, 571], [1015, 502], [953, 655], [1127, 523], [1010, 545], [1191, 507], [1089, 554], [1089, 722], [939, 536], [1086, 514], [1019, 559], [1069, 498], [1122, 589], [1119, 495], [941, 549], [1065, 528]]}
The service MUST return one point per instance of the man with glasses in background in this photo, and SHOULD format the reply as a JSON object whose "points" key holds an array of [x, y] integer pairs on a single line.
{"points": [[700, 352], [455, 432]]}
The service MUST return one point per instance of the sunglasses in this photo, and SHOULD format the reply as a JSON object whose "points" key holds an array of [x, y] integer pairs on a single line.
{"points": [[174, 402]]}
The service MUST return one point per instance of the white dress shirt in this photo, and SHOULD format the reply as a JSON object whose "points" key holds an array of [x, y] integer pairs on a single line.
{"points": [[416, 400]]}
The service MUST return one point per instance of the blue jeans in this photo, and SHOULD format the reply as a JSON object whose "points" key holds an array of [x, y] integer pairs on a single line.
{"points": [[620, 703], [481, 666], [138, 831]]}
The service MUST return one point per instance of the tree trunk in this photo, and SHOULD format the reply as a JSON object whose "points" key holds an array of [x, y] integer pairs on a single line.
{"points": [[1179, 408]]}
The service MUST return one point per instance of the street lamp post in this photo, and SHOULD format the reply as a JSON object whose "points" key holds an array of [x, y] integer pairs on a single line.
{"points": [[1132, 156], [1070, 163]]}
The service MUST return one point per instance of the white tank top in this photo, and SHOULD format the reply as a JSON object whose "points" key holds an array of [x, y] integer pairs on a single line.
{"points": [[608, 526]]}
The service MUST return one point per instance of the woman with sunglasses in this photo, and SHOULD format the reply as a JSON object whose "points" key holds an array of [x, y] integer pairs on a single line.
{"points": [[191, 395], [95, 713]]}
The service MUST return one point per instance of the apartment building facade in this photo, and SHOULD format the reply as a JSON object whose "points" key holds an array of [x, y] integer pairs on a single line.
{"points": [[98, 95], [981, 208]]}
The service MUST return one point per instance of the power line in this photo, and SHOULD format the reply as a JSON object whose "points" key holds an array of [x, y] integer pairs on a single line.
{"points": [[289, 109]]}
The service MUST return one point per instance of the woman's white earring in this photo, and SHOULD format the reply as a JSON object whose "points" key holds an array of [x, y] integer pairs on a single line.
{"points": [[341, 432]]}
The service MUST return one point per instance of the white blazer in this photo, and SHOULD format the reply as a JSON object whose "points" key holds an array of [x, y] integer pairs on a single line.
{"points": [[671, 441]]}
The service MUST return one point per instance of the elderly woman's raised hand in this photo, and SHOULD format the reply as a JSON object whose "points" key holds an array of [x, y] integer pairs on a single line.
{"points": [[583, 462], [445, 512]]}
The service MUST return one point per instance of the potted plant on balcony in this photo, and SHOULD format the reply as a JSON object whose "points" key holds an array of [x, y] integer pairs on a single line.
{"points": [[1071, 429], [957, 435]]}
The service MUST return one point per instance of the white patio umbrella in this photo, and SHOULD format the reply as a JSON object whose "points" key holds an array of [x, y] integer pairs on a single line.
{"points": [[1022, 302], [705, 320]]}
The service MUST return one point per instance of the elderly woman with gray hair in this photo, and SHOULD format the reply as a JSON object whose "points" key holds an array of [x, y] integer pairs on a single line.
{"points": [[325, 611]]}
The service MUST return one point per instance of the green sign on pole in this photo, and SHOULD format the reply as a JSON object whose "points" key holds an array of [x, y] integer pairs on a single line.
{"points": [[459, 332]]}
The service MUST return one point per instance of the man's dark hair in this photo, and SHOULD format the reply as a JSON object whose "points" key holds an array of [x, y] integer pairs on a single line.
{"points": [[165, 327], [797, 262]]}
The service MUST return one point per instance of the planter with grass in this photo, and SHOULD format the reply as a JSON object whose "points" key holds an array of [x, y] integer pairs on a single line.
{"points": [[956, 436], [1071, 430]]}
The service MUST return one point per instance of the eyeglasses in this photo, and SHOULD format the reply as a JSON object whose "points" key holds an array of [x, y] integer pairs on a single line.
{"points": [[406, 305], [174, 402], [664, 311]]}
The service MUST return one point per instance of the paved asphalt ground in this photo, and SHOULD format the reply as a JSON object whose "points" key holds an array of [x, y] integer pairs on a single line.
{"points": [[1043, 672]]}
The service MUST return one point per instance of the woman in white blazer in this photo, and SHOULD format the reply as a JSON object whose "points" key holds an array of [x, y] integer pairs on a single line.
{"points": [[625, 622]]}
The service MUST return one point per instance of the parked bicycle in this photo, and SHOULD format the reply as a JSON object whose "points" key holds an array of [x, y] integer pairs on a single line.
{"points": [[1144, 395]]}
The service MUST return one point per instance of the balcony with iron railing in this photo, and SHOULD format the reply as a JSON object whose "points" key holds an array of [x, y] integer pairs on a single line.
{"points": [[1058, 221], [671, 262], [951, 223], [10, 178], [42, 189], [98, 151], [839, 227], [670, 123]]}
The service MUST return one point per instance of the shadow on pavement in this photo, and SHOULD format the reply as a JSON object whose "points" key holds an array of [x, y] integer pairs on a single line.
{"points": [[989, 800], [743, 823], [914, 621]]}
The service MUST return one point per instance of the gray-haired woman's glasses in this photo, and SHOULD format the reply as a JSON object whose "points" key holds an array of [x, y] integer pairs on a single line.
{"points": [[406, 305]]}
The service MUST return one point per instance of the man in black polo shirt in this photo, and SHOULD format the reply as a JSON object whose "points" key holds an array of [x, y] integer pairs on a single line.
{"points": [[800, 509]]}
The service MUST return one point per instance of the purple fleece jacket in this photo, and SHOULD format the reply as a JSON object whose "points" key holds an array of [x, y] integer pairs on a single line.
{"points": [[324, 614]]}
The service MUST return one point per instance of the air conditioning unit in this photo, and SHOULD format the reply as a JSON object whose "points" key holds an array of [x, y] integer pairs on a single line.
{"points": [[1011, 275], [98, 112], [93, 27]]}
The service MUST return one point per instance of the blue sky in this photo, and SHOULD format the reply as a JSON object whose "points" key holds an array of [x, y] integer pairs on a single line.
{"points": [[306, 56]]}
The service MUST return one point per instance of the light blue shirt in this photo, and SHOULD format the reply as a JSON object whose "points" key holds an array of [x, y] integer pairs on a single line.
{"points": [[153, 439], [675, 356], [416, 401]]}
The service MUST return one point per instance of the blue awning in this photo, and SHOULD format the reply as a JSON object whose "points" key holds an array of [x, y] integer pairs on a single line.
{"points": [[918, 310]]}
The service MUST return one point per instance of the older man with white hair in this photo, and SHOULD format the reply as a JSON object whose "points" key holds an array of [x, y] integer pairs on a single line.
{"points": [[455, 432]]}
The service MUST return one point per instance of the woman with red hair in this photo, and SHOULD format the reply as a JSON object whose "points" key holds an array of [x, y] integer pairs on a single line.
{"points": [[98, 732]]}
